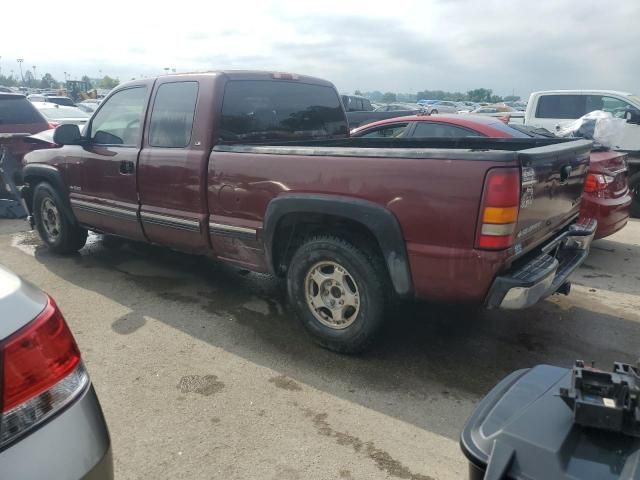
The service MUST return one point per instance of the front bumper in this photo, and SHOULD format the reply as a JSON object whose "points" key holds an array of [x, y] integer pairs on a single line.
{"points": [[543, 274]]}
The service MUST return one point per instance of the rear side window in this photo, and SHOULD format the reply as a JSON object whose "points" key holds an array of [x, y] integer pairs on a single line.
{"points": [[263, 110], [18, 111], [561, 106], [433, 129], [172, 115]]}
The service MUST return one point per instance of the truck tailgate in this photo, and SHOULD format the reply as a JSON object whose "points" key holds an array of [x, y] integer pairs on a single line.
{"points": [[552, 183]]}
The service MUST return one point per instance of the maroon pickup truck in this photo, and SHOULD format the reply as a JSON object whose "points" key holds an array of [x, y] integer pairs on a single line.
{"points": [[257, 169]]}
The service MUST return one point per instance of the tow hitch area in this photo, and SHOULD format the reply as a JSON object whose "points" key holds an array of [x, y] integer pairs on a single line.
{"points": [[545, 273]]}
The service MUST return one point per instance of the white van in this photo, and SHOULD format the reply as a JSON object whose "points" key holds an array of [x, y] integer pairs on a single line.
{"points": [[554, 109]]}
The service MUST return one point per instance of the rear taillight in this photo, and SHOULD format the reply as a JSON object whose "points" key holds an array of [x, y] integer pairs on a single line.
{"points": [[597, 183], [41, 372], [499, 212]]}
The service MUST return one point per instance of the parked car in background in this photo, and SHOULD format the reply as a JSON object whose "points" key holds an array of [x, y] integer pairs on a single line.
{"points": [[18, 115], [555, 109], [257, 169], [51, 423], [441, 106], [388, 110], [397, 107], [62, 115], [88, 107], [356, 103], [63, 101], [36, 97], [606, 196]]}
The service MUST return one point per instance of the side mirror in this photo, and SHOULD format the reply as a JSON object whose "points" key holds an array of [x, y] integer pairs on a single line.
{"points": [[67, 135], [632, 116]]}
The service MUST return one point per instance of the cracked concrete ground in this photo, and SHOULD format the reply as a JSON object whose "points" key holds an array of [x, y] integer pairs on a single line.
{"points": [[203, 372]]}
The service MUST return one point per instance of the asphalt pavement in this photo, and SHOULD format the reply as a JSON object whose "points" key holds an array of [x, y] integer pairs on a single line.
{"points": [[204, 373]]}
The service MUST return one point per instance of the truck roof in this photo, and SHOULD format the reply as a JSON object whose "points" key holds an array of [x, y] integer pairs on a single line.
{"points": [[583, 91], [246, 75]]}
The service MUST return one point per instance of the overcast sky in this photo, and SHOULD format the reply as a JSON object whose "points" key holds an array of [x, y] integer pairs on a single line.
{"points": [[399, 45]]}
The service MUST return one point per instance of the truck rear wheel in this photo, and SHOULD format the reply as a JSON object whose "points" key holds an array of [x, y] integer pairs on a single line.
{"points": [[55, 228], [634, 186], [338, 292]]}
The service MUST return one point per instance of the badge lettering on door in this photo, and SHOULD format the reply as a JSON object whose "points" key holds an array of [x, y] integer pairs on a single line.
{"points": [[75, 188]]}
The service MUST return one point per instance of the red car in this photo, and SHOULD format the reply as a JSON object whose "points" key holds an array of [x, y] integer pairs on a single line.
{"points": [[606, 195]]}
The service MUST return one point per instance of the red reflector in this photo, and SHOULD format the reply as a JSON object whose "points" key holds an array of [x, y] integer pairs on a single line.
{"points": [[502, 188], [37, 357], [594, 182], [491, 242]]}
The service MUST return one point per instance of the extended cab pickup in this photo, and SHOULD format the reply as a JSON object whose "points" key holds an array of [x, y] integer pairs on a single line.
{"points": [[257, 169]]}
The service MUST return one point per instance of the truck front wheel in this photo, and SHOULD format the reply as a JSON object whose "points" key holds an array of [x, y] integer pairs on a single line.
{"points": [[338, 292], [56, 230]]}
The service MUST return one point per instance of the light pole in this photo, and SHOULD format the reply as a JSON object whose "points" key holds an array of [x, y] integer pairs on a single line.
{"points": [[20, 60], [65, 76], [35, 75]]}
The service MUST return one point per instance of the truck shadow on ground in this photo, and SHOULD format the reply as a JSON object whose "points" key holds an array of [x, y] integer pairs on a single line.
{"points": [[427, 354]]}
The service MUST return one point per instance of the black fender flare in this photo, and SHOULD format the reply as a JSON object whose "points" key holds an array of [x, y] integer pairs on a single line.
{"points": [[51, 175], [380, 221]]}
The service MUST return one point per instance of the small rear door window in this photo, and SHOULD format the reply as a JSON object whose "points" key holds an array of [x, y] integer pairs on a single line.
{"points": [[271, 109], [172, 115], [561, 106], [18, 111]]}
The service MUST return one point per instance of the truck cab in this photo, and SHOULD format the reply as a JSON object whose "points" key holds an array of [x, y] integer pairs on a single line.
{"points": [[555, 109]]}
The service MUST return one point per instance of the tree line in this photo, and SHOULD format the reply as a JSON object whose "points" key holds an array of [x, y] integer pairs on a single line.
{"points": [[49, 82], [476, 95]]}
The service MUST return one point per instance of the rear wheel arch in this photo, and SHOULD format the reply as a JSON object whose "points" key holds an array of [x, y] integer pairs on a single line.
{"points": [[293, 217]]}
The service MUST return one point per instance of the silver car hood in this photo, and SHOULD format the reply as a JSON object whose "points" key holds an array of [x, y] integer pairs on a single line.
{"points": [[20, 302]]}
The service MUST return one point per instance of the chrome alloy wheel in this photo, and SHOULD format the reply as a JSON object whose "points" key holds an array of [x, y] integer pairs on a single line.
{"points": [[332, 294], [50, 219]]}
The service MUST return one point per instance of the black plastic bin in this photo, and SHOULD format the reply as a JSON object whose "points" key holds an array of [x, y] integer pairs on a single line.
{"points": [[524, 430]]}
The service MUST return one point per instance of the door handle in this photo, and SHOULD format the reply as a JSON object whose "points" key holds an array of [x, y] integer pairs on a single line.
{"points": [[126, 167]]}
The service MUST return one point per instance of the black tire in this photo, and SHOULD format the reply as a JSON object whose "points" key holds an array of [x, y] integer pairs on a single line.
{"points": [[369, 277], [634, 187], [70, 237]]}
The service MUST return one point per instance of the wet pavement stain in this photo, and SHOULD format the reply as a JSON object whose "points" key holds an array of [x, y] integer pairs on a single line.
{"points": [[178, 297], [528, 342], [598, 275], [203, 385], [128, 324], [285, 383], [346, 474], [381, 458]]}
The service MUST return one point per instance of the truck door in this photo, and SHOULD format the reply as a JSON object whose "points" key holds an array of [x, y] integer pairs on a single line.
{"points": [[173, 163], [106, 196]]}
